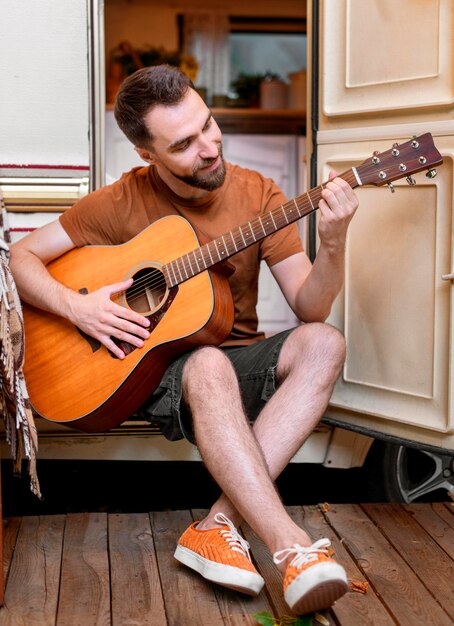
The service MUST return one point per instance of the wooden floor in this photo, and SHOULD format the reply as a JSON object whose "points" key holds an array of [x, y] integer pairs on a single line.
{"points": [[95, 568]]}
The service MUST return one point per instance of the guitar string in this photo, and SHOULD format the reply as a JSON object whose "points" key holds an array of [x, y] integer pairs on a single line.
{"points": [[155, 282], [152, 282], [158, 281]]}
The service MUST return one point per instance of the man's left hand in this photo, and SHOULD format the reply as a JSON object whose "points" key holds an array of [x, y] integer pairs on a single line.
{"points": [[337, 207]]}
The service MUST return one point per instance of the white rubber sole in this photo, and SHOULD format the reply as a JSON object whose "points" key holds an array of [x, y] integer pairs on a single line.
{"points": [[225, 575], [316, 588]]}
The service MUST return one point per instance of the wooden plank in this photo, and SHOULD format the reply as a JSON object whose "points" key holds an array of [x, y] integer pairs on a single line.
{"points": [[353, 608], [401, 590], [135, 584], [437, 521], [31, 594], [84, 588], [10, 531], [189, 599], [425, 557], [450, 507], [237, 609]]}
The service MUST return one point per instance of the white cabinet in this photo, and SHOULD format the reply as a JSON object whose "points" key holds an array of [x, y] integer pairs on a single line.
{"points": [[395, 310]]}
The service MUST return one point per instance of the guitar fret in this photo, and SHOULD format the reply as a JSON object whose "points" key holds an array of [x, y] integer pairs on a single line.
{"points": [[285, 214], [209, 252], [310, 200], [297, 207], [179, 270], [195, 257], [173, 270], [184, 266], [272, 217], [225, 246], [202, 257], [191, 266], [217, 249], [261, 224], [233, 240], [241, 233], [252, 231]]}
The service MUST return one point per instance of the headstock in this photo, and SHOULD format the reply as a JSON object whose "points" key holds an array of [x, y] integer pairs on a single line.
{"points": [[400, 161]]}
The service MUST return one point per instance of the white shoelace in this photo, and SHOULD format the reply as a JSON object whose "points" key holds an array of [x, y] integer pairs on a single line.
{"points": [[302, 555], [232, 536]]}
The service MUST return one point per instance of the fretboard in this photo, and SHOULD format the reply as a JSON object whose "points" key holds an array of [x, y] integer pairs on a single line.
{"points": [[229, 244]]}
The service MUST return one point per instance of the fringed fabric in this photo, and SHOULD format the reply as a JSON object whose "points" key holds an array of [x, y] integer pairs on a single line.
{"points": [[21, 434]]}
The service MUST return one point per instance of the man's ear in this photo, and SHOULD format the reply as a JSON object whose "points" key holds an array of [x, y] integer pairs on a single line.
{"points": [[146, 155]]}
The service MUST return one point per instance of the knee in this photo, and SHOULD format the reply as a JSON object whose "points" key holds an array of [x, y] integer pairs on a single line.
{"points": [[317, 344], [329, 341], [206, 367]]}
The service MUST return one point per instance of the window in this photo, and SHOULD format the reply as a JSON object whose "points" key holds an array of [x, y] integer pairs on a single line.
{"points": [[266, 46]]}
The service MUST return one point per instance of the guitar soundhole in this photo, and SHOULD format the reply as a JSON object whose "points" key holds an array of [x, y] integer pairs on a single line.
{"points": [[148, 290]]}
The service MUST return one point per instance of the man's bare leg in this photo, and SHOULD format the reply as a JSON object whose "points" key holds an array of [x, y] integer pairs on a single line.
{"points": [[245, 462]]}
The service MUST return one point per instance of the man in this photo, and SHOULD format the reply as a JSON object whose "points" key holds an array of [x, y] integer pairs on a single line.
{"points": [[210, 394]]}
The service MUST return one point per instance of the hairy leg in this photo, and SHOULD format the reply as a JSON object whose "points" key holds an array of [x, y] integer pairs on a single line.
{"points": [[246, 461]]}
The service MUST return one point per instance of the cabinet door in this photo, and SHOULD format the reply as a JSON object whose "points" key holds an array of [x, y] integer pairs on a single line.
{"points": [[386, 72]]}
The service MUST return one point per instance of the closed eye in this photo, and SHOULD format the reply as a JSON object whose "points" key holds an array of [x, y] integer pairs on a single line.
{"points": [[183, 144]]}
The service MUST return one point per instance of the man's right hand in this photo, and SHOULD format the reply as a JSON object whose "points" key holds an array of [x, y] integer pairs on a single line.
{"points": [[98, 315]]}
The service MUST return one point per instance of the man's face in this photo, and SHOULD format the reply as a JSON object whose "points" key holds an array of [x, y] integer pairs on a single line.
{"points": [[187, 143]]}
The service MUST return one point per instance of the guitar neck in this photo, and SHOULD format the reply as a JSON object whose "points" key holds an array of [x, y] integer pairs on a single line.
{"points": [[229, 244]]}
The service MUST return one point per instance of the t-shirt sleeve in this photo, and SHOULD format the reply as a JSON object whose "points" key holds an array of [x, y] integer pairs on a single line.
{"points": [[94, 220], [285, 242]]}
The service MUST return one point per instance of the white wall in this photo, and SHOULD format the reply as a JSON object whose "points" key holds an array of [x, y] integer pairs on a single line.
{"points": [[44, 106]]}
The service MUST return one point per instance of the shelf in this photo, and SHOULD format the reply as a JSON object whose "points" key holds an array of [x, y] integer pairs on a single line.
{"points": [[260, 121]]}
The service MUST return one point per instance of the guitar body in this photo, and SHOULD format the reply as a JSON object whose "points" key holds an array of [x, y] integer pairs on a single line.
{"points": [[73, 379]]}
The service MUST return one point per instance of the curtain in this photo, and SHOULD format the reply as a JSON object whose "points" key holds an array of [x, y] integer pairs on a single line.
{"points": [[206, 37]]}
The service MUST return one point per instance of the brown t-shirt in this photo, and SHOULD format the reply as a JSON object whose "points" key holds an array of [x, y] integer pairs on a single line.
{"points": [[118, 212]]}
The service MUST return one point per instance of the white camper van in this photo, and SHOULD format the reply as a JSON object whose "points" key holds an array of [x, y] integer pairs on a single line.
{"points": [[376, 73]]}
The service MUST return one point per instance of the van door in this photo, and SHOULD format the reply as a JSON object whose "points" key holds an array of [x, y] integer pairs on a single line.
{"points": [[381, 72], [50, 94]]}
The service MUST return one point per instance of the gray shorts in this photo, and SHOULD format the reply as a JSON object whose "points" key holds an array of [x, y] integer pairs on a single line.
{"points": [[255, 366]]}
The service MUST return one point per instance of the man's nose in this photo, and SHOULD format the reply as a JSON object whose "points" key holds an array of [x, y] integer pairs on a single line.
{"points": [[209, 149]]}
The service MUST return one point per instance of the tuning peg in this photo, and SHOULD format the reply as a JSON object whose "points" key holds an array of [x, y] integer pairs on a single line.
{"points": [[391, 187], [431, 173], [410, 180]]}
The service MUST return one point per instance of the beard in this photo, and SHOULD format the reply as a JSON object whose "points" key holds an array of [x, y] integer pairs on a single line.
{"points": [[209, 181]]}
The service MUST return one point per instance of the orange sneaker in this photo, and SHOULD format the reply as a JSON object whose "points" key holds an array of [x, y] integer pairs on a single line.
{"points": [[312, 581], [220, 555]]}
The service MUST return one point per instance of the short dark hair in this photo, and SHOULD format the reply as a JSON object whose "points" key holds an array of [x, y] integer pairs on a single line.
{"points": [[140, 92]]}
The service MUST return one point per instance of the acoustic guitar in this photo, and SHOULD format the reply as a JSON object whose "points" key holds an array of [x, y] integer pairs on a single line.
{"points": [[179, 285]]}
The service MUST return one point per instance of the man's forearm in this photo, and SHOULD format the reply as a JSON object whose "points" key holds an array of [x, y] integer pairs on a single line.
{"points": [[321, 287], [37, 287]]}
